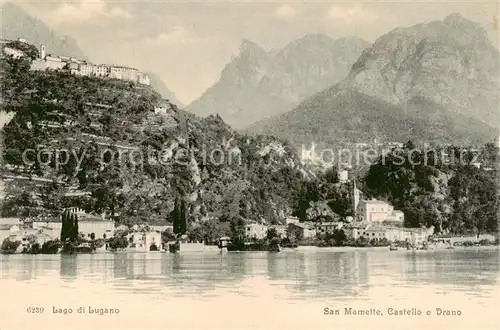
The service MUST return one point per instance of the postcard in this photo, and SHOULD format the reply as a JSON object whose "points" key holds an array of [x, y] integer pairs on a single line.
{"points": [[249, 165]]}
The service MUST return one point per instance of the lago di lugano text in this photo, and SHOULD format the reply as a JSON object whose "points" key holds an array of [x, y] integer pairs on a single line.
{"points": [[85, 310], [349, 311]]}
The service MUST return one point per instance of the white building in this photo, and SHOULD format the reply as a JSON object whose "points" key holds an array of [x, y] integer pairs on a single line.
{"points": [[8, 226], [308, 156], [13, 52], [82, 68], [162, 108], [88, 226], [328, 227], [143, 79], [378, 211], [343, 176], [378, 231], [301, 230], [144, 240], [255, 230]]}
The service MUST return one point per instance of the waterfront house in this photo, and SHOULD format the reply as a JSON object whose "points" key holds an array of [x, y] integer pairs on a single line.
{"points": [[378, 231], [88, 225], [50, 227], [144, 241], [28, 236], [356, 229], [8, 226], [255, 230], [328, 227], [301, 230]]}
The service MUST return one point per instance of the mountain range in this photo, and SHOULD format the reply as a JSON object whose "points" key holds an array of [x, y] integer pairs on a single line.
{"points": [[258, 84], [435, 82]]}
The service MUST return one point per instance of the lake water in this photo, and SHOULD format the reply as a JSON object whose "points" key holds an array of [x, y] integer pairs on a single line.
{"points": [[252, 290]]}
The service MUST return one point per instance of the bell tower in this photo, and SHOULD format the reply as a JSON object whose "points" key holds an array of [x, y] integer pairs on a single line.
{"points": [[43, 52]]}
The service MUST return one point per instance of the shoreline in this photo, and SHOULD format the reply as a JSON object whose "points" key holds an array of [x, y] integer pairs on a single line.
{"points": [[297, 249]]}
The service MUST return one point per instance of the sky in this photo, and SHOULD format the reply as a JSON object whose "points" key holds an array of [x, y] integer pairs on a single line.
{"points": [[188, 43]]}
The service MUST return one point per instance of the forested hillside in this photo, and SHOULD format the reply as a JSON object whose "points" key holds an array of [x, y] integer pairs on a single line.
{"points": [[217, 172]]}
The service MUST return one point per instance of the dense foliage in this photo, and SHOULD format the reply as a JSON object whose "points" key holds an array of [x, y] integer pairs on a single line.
{"points": [[198, 173], [212, 171], [452, 195], [69, 228]]}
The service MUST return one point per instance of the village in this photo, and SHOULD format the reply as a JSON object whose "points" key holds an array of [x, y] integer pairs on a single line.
{"points": [[47, 61], [374, 221]]}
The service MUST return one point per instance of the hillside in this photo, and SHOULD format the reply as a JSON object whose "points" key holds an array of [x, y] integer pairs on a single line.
{"points": [[94, 118], [340, 116], [15, 22], [433, 82], [257, 84], [159, 85]]}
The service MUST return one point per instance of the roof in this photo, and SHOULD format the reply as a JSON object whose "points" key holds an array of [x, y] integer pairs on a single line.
{"points": [[302, 225], [376, 229], [375, 201], [358, 225], [332, 223]]}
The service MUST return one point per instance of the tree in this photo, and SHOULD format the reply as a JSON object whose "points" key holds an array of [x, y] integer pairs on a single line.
{"points": [[175, 216], [237, 229], [271, 233], [118, 242], [182, 218], [179, 217], [9, 246], [74, 232], [65, 226], [69, 227]]}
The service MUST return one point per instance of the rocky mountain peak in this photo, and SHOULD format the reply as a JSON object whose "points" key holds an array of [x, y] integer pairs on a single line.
{"points": [[257, 84]]}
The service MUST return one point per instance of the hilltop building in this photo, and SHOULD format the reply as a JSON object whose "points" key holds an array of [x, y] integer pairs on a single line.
{"points": [[83, 68], [308, 156]]}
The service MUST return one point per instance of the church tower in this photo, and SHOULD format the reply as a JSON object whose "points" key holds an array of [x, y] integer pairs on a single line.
{"points": [[355, 198], [43, 52]]}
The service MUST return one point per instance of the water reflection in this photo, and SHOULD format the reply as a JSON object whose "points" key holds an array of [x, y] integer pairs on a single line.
{"points": [[68, 266], [310, 274]]}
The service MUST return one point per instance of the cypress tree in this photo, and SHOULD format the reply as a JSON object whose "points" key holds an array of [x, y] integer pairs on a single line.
{"points": [[74, 228], [64, 225], [182, 218], [175, 217]]}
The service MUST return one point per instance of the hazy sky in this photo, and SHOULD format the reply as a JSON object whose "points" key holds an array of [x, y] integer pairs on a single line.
{"points": [[188, 43]]}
